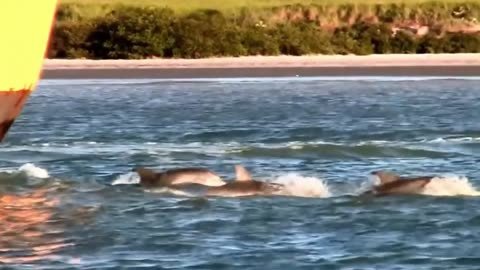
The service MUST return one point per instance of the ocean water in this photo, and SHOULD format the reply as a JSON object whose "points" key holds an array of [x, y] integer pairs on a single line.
{"points": [[68, 199]]}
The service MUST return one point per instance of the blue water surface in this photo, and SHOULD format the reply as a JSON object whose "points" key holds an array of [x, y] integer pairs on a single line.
{"points": [[77, 137]]}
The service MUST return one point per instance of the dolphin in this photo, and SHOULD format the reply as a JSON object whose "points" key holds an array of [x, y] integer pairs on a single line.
{"points": [[178, 177], [243, 185], [391, 183]]}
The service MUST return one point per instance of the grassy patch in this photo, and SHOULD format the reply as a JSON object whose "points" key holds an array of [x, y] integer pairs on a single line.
{"points": [[96, 7]]}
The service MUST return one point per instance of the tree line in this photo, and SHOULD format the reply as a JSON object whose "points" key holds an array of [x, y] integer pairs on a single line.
{"points": [[128, 32]]}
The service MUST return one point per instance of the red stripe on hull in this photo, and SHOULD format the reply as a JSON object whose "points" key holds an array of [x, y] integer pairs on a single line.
{"points": [[11, 104]]}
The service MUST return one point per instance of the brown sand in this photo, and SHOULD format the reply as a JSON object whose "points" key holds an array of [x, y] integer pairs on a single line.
{"points": [[266, 66]]}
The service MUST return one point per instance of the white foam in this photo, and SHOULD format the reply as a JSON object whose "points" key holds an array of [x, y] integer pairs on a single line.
{"points": [[130, 178], [33, 171], [450, 186], [299, 186], [463, 139], [371, 181], [374, 142]]}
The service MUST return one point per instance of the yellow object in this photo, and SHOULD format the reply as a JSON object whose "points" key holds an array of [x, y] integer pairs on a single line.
{"points": [[25, 27]]}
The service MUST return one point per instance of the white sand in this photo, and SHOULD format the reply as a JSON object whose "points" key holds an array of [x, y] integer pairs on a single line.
{"points": [[390, 60]]}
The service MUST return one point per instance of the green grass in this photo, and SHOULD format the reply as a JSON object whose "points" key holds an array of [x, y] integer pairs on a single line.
{"points": [[329, 14], [183, 6]]}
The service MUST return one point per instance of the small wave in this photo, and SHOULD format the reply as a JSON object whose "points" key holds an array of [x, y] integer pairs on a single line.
{"points": [[338, 151], [460, 139], [130, 178], [224, 134], [151, 143], [450, 186], [299, 186], [30, 170], [33, 171]]}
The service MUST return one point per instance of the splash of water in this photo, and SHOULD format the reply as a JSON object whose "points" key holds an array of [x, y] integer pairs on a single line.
{"points": [[33, 171], [296, 185], [130, 178], [450, 186], [299, 186]]}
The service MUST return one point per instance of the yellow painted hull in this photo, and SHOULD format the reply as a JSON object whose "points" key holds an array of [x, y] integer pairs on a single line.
{"points": [[25, 27]]}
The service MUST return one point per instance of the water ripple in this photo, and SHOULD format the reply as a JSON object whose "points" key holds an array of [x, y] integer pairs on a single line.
{"points": [[319, 137]]}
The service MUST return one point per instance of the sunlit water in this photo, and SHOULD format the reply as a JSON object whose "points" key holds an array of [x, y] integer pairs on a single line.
{"points": [[68, 199]]}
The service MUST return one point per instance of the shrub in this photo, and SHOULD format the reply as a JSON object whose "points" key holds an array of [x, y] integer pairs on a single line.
{"points": [[362, 38], [461, 43], [258, 40], [67, 12], [132, 33], [380, 36], [343, 41], [302, 38], [403, 42], [207, 33], [69, 39], [390, 13], [430, 44]]}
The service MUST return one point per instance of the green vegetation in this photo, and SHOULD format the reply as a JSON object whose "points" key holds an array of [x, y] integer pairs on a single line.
{"points": [[98, 7], [91, 29]]}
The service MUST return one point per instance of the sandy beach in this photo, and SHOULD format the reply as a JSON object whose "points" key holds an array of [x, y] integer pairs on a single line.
{"points": [[267, 66]]}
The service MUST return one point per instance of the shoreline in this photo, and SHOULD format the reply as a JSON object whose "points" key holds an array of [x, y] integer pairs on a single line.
{"points": [[267, 66]]}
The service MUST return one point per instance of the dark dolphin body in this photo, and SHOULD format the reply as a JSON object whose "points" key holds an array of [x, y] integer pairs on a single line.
{"points": [[207, 182], [243, 185], [174, 177], [394, 184]]}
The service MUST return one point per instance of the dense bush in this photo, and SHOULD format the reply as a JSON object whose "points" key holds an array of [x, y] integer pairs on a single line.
{"points": [[206, 33], [430, 44], [461, 43], [70, 39], [260, 40], [362, 38], [450, 43], [403, 42], [134, 32], [302, 38]]}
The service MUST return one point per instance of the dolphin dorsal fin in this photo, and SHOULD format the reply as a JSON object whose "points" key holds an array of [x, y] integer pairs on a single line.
{"points": [[241, 174], [387, 177]]}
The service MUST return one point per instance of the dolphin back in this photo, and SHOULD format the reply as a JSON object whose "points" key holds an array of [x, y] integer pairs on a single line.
{"points": [[148, 177], [193, 175], [386, 177], [406, 186]]}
